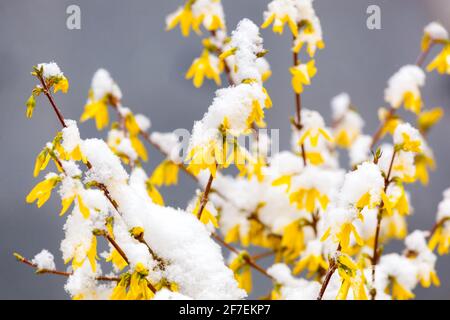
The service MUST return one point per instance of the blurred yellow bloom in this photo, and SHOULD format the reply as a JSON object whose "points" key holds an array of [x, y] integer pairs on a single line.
{"points": [[441, 240], [442, 61], [279, 22], [422, 163], [185, 19], [292, 241], [242, 271], [412, 101], [308, 198], [428, 279], [312, 262], [166, 173], [428, 118], [399, 292], [302, 75], [97, 110], [205, 66], [313, 134], [154, 194]]}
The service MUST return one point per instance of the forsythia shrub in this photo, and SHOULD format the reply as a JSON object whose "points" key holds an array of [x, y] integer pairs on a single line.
{"points": [[321, 222]]}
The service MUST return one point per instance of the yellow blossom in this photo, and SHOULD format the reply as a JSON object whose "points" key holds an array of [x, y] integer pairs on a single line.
{"points": [[428, 118], [185, 19], [396, 227], [61, 84], [65, 204], [399, 292], [99, 111], [279, 22], [206, 216], [343, 236], [117, 260], [82, 207], [166, 173], [43, 190], [286, 179], [313, 134], [293, 240], [139, 147], [311, 46], [442, 61], [410, 145], [389, 121], [422, 162], [430, 278], [80, 254], [312, 262], [154, 194], [41, 162], [242, 271], [139, 285], [204, 67], [302, 75], [412, 101], [31, 104], [351, 278], [441, 240], [206, 157], [307, 199]]}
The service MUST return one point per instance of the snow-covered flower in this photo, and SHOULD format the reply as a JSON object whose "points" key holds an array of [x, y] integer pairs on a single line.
{"points": [[404, 88]]}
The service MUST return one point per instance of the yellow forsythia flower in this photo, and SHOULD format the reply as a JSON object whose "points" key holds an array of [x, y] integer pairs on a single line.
{"points": [[43, 190], [166, 173], [302, 75], [206, 65]]}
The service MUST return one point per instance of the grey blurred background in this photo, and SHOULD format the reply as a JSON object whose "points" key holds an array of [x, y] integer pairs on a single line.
{"points": [[128, 39]]}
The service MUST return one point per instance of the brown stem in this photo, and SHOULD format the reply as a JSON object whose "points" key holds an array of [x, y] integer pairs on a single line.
{"points": [[423, 54], [331, 269], [249, 260], [113, 243], [298, 109], [50, 98], [375, 255], [205, 195], [262, 255], [57, 272], [437, 225], [377, 135], [141, 239]]}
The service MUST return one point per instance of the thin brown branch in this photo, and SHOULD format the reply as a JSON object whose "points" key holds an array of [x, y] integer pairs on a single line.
{"points": [[57, 272], [376, 253], [248, 259], [113, 242], [424, 54], [331, 269], [262, 255], [52, 101], [205, 196], [298, 110]]}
